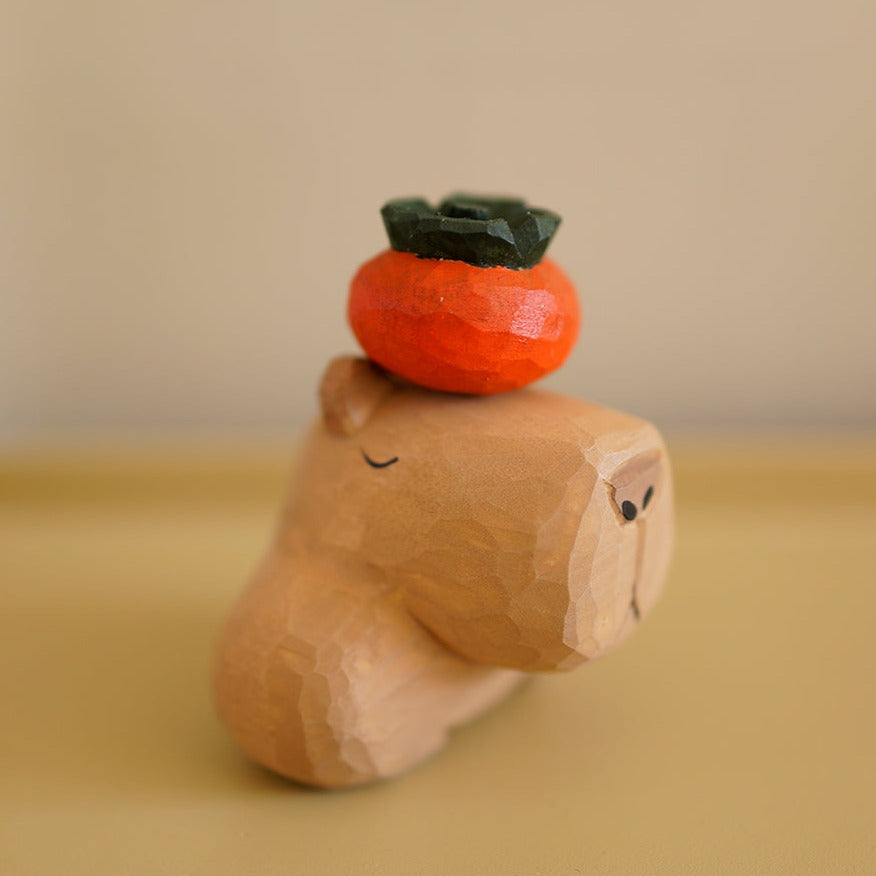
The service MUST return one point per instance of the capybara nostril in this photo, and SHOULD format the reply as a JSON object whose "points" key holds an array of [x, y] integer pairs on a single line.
{"points": [[634, 483]]}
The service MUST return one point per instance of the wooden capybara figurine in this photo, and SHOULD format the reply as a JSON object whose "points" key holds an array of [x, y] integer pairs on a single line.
{"points": [[434, 548]]}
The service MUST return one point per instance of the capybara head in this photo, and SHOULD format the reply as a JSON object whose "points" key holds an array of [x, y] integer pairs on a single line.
{"points": [[525, 530]]}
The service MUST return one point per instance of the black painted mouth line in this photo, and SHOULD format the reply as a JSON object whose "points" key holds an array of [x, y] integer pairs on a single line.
{"points": [[640, 550], [635, 607]]}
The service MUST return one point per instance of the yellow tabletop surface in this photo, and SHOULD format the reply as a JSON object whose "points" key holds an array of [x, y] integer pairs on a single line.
{"points": [[735, 733]]}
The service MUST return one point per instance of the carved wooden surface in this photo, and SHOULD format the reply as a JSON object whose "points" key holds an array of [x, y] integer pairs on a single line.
{"points": [[433, 548]]}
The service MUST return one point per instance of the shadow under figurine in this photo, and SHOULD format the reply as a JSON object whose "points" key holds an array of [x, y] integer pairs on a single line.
{"points": [[435, 547]]}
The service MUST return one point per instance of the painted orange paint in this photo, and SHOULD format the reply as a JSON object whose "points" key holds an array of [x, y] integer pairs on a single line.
{"points": [[448, 325]]}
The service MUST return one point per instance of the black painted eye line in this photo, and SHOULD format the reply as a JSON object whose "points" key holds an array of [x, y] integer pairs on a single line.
{"points": [[649, 493], [374, 464]]}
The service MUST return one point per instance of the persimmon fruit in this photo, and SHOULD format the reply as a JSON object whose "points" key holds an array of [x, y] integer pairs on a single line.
{"points": [[454, 326]]}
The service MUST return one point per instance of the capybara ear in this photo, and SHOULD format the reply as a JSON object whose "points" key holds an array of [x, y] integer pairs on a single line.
{"points": [[350, 391]]}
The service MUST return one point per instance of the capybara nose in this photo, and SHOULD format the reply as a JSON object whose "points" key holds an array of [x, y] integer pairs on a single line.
{"points": [[634, 483]]}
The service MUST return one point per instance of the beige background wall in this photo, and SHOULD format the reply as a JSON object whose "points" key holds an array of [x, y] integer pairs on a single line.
{"points": [[188, 186]]}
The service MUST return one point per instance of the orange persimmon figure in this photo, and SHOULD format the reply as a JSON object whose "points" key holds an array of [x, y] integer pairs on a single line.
{"points": [[464, 301]]}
